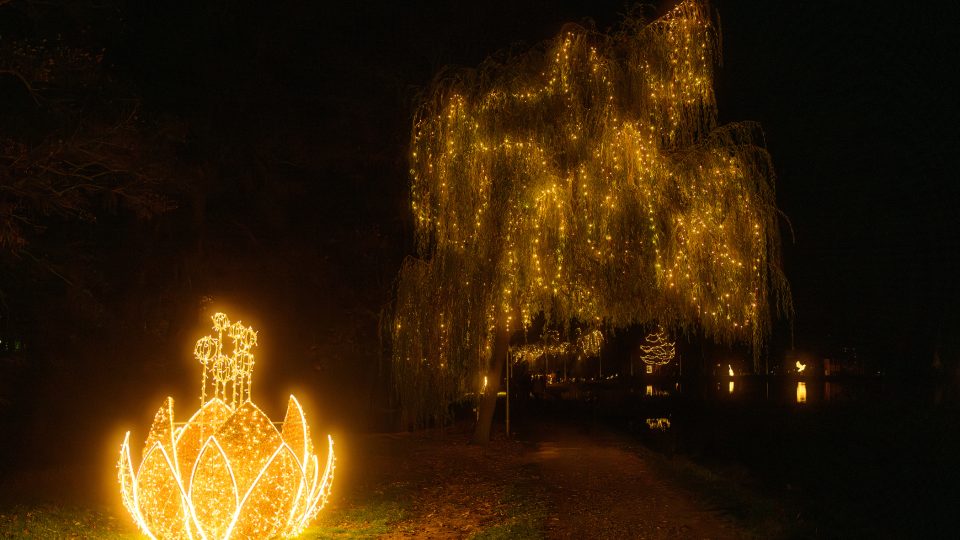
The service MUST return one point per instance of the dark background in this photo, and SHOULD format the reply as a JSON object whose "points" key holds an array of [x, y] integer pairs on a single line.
{"points": [[282, 129]]}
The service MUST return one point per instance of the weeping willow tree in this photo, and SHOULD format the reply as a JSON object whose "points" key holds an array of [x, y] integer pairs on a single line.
{"points": [[586, 180]]}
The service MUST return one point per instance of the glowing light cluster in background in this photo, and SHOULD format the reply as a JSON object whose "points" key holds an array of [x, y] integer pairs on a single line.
{"points": [[657, 351], [227, 472], [586, 180], [660, 424], [586, 346]]}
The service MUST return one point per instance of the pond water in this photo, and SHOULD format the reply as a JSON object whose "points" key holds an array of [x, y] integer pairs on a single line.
{"points": [[663, 396], [780, 390]]}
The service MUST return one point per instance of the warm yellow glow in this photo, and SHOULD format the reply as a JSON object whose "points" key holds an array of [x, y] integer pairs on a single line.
{"points": [[801, 392], [657, 351], [729, 370], [586, 346], [230, 376], [800, 367], [656, 392], [227, 472], [588, 181], [730, 387], [661, 424]]}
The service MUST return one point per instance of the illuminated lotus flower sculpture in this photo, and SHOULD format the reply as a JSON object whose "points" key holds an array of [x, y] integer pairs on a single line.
{"points": [[228, 472]]}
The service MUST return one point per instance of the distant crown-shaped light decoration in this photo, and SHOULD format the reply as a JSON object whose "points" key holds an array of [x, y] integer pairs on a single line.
{"points": [[228, 472], [656, 350]]}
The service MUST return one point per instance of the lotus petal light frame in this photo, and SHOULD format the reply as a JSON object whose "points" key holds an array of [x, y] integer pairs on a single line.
{"points": [[227, 472]]}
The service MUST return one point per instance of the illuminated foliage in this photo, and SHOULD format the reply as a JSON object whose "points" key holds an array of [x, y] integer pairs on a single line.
{"points": [[227, 472], [587, 180]]}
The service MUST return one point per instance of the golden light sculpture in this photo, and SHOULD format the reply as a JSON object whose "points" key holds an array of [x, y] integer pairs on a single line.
{"points": [[657, 351], [801, 392], [662, 424], [800, 367], [228, 472]]}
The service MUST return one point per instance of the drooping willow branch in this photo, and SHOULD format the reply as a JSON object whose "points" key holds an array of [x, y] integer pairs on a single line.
{"points": [[587, 179]]}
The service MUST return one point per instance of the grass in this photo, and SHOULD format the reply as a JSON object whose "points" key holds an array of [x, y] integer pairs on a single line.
{"points": [[847, 470], [370, 520], [49, 522], [525, 511], [403, 500], [515, 528], [55, 523], [728, 491], [520, 509]]}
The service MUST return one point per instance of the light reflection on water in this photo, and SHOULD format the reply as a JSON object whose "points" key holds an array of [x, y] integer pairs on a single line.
{"points": [[661, 424], [774, 390]]}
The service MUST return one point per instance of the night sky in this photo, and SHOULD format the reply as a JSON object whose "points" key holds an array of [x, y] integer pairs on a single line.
{"points": [[285, 126], [856, 102]]}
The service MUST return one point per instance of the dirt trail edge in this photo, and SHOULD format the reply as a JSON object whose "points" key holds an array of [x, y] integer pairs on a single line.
{"points": [[598, 489], [553, 479]]}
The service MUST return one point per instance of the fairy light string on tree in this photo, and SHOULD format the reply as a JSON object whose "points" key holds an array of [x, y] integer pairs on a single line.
{"points": [[586, 180]]}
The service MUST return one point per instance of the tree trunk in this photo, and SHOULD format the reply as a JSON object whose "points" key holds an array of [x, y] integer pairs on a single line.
{"points": [[488, 401]]}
